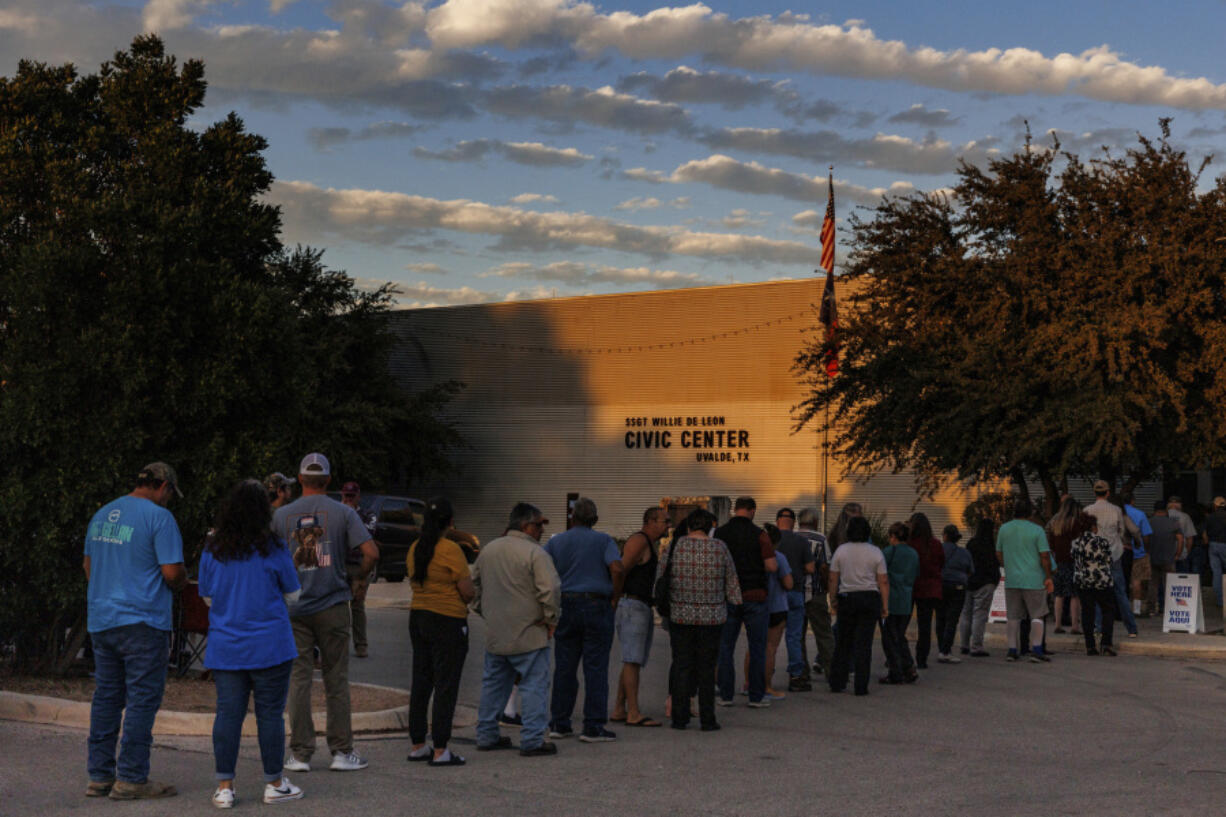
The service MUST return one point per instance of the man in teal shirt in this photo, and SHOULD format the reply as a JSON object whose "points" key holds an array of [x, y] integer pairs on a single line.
{"points": [[1021, 547], [902, 566]]}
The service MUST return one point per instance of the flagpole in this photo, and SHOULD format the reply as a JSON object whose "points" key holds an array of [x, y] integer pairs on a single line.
{"points": [[826, 424]]}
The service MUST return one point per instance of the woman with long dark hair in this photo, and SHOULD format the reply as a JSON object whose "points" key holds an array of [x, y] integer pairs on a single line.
{"points": [[927, 591], [247, 577], [1062, 529], [438, 629]]}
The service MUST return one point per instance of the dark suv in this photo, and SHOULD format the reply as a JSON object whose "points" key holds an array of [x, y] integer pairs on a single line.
{"points": [[397, 521]]}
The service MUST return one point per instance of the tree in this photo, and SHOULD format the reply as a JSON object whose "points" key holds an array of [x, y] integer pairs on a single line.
{"points": [[1049, 318], [148, 311]]}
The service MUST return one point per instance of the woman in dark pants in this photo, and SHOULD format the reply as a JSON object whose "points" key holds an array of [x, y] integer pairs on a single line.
{"points": [[1092, 577], [438, 629], [955, 576], [927, 592], [858, 573]]}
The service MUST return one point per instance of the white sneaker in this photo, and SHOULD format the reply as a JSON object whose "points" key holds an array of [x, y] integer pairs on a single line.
{"points": [[942, 658], [351, 762], [223, 798], [293, 764], [281, 792], [952, 659]]}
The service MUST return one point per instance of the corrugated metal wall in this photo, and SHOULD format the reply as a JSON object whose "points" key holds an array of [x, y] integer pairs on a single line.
{"points": [[603, 395]]}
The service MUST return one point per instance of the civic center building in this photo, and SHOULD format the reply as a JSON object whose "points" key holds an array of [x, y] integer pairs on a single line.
{"points": [[680, 398]]}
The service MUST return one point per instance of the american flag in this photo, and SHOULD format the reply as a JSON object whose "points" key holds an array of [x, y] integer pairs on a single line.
{"points": [[829, 315]]}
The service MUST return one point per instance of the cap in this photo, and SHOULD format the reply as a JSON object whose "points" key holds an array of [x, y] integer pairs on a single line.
{"points": [[1101, 486], [161, 472], [351, 488], [276, 481], [315, 464], [308, 521]]}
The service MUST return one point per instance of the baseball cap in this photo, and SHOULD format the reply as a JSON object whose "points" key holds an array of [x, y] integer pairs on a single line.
{"points": [[1101, 486], [161, 472], [315, 464], [351, 488], [276, 480], [308, 521]]}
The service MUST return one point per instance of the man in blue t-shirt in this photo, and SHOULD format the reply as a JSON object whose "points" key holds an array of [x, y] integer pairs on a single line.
{"points": [[590, 567], [133, 560]]}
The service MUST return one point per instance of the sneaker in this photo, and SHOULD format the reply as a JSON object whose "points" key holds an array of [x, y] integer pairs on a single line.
{"points": [[293, 764], [223, 798], [1108, 651], [980, 653], [1012, 656], [724, 702], [1039, 657], [514, 722], [773, 696], [762, 704], [952, 659], [361, 652], [1132, 635], [99, 788], [503, 742], [597, 735], [560, 732], [351, 762], [1092, 651], [544, 749], [149, 790], [942, 658], [284, 791], [799, 685]]}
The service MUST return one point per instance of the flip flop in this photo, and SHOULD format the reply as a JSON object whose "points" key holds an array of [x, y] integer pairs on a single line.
{"points": [[643, 721]]}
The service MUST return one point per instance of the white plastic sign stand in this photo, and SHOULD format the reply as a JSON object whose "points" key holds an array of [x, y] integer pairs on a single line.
{"points": [[1183, 610], [997, 611]]}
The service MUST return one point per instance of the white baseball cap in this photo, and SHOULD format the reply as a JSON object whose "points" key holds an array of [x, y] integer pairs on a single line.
{"points": [[315, 464]]}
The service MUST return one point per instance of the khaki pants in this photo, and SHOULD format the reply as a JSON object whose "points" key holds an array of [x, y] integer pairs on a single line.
{"points": [[817, 610], [357, 609], [329, 630]]}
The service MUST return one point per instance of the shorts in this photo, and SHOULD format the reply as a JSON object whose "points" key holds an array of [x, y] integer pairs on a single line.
{"points": [[1063, 580], [1141, 571], [635, 625], [1023, 604], [777, 618]]}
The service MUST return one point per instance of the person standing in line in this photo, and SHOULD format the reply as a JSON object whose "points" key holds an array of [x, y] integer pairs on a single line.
{"points": [[927, 591], [1115, 526], [817, 609], [351, 495], [1093, 576], [1166, 544], [280, 489], [133, 561], [798, 550], [778, 585], [955, 575], [1189, 560], [438, 629], [980, 588], [1215, 532], [902, 567], [590, 567], [519, 595], [1021, 546], [858, 573], [321, 532], [703, 586], [1061, 530], [754, 557], [1142, 567], [634, 621], [247, 578]]}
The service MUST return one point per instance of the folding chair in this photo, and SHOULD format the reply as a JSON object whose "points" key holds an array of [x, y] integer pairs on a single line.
{"points": [[191, 631]]}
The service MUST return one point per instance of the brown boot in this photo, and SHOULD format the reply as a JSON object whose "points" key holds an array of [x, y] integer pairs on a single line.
{"points": [[150, 789], [99, 788]]}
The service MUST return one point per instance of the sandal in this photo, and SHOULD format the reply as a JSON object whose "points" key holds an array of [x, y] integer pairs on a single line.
{"points": [[643, 721], [454, 760], [617, 720]]}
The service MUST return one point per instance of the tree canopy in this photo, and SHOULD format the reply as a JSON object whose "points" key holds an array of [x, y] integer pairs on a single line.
{"points": [[1049, 317], [148, 311]]}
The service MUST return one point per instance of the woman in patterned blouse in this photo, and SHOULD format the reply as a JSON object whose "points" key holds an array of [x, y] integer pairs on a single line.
{"points": [[1092, 579]]}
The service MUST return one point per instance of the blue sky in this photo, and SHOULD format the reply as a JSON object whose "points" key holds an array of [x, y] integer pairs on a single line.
{"points": [[480, 150]]}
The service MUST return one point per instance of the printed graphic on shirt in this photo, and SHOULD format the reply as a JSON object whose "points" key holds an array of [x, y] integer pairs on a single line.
{"points": [[311, 551], [110, 531]]}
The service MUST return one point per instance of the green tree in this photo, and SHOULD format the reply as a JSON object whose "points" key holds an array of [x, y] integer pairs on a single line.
{"points": [[148, 311], [1051, 317]]}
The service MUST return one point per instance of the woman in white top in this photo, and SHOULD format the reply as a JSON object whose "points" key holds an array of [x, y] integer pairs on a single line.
{"points": [[859, 594]]}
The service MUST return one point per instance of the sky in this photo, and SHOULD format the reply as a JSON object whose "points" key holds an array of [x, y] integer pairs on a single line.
{"points": [[471, 151]]}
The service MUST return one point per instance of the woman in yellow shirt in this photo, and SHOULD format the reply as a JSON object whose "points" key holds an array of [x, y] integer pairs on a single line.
{"points": [[438, 630]]}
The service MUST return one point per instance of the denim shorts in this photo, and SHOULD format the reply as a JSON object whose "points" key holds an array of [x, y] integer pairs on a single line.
{"points": [[635, 625]]}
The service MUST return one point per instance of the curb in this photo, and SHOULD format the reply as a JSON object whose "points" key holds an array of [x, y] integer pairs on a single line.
{"points": [[16, 706]]}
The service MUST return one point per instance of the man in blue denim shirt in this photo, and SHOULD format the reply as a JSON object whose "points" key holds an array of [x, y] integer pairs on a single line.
{"points": [[133, 560], [589, 565]]}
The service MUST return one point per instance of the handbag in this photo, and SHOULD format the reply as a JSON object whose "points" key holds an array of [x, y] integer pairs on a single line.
{"points": [[662, 592]]}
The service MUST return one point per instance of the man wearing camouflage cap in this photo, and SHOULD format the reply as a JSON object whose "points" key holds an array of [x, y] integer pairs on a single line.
{"points": [[280, 489]]}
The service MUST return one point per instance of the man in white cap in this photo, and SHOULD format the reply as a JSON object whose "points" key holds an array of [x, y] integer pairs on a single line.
{"points": [[326, 530]]}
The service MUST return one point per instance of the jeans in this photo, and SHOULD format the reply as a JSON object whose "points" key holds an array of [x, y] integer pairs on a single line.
{"points": [[952, 599], [1121, 599], [440, 644], [795, 634], [270, 686], [975, 610], [818, 610], [858, 614], [695, 653], [497, 680], [755, 616], [1217, 559], [329, 630], [894, 643], [585, 633], [130, 678], [924, 610], [1103, 603]]}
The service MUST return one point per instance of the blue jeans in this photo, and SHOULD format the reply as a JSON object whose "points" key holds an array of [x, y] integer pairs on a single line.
{"points": [[270, 686], [756, 618], [1121, 599], [129, 677], [795, 634], [1217, 559], [496, 683], [585, 633]]}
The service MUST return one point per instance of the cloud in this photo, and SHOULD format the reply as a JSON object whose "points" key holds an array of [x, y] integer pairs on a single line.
{"points": [[604, 107], [428, 267], [166, 15], [576, 274], [727, 173], [326, 138], [918, 114], [740, 218], [422, 294], [651, 203], [729, 91], [532, 198], [383, 218], [524, 153]]}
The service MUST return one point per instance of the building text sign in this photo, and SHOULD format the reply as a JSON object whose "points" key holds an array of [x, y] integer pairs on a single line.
{"points": [[709, 437]]}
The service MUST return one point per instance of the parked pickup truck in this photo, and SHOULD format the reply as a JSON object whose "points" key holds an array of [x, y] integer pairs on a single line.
{"points": [[397, 525]]}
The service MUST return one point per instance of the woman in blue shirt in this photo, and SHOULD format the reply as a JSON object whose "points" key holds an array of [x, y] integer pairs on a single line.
{"points": [[247, 577]]}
